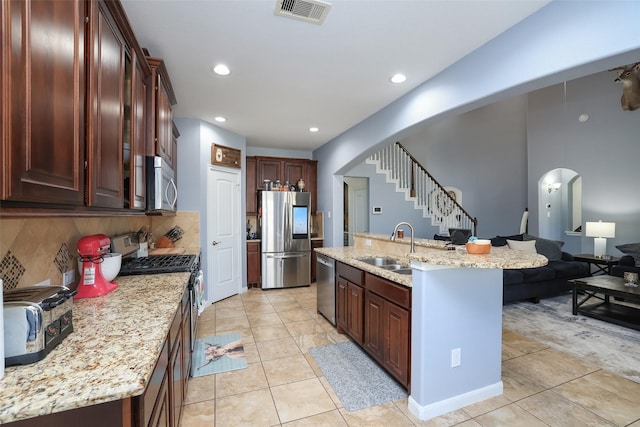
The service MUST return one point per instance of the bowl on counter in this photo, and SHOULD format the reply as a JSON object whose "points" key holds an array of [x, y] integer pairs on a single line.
{"points": [[476, 248], [110, 265]]}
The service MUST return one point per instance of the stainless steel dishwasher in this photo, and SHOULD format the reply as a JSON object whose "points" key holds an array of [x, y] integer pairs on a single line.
{"points": [[326, 287]]}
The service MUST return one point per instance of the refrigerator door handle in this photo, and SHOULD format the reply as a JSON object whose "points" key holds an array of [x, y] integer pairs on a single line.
{"points": [[298, 255]]}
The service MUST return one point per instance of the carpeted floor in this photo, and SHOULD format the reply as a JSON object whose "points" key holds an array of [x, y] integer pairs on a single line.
{"points": [[357, 380], [612, 347]]}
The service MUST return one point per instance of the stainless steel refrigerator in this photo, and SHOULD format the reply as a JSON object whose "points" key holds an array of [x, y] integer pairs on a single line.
{"points": [[286, 239]]}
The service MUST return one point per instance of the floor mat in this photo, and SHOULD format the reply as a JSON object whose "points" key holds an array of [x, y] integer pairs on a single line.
{"points": [[213, 355], [358, 381]]}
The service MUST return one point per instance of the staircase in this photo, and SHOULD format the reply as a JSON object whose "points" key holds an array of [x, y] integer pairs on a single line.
{"points": [[411, 178]]}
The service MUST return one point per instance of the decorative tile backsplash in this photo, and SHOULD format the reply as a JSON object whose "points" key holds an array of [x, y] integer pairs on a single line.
{"points": [[35, 249]]}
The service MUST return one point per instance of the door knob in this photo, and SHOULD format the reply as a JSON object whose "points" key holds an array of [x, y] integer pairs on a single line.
{"points": [[214, 243]]}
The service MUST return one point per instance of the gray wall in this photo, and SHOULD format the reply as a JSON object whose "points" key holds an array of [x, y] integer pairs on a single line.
{"points": [[604, 150], [194, 157], [545, 49]]}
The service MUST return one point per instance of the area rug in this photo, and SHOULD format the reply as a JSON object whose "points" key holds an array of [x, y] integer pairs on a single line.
{"points": [[213, 355], [551, 322], [357, 380]]}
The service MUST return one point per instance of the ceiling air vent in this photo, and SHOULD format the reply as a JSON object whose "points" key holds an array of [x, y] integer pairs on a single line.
{"points": [[313, 11]]}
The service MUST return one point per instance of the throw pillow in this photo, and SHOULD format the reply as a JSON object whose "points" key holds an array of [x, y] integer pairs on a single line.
{"points": [[502, 240], [525, 246], [632, 249], [551, 249]]}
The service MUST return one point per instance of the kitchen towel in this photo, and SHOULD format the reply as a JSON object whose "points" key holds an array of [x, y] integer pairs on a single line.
{"points": [[213, 355]]}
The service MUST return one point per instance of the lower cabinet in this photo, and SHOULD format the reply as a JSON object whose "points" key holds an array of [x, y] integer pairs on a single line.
{"points": [[161, 403], [314, 258], [376, 313], [253, 264]]}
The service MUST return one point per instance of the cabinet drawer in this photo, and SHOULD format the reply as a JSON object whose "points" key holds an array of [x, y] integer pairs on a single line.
{"points": [[352, 274], [395, 293]]}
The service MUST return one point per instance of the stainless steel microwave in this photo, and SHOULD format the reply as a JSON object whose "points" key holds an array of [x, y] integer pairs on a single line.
{"points": [[162, 192]]}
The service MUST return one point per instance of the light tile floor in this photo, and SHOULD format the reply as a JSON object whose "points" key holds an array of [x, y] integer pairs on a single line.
{"points": [[283, 386]]}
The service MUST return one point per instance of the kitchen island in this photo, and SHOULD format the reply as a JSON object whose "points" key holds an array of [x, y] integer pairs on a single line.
{"points": [[105, 363], [455, 335]]}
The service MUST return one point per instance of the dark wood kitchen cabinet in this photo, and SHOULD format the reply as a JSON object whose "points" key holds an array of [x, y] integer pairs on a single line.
{"points": [[253, 264], [251, 195], [350, 301], [43, 98], [376, 313], [161, 116], [314, 258], [105, 118], [285, 170], [73, 106]]}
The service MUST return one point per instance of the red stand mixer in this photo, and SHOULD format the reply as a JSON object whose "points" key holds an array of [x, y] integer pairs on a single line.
{"points": [[91, 250]]}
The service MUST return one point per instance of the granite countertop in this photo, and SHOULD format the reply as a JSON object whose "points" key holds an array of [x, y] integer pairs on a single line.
{"points": [[110, 355], [433, 252], [350, 255]]}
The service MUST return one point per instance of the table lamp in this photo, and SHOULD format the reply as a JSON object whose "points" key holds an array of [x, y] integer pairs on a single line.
{"points": [[600, 230]]}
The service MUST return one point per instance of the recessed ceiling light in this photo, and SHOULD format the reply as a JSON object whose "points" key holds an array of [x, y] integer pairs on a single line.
{"points": [[220, 119], [313, 129], [221, 70], [398, 78]]}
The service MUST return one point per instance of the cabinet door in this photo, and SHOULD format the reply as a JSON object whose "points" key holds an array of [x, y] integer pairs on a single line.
{"points": [[342, 287], [161, 416], [253, 264], [43, 97], [311, 182], [163, 121], [374, 326], [314, 258], [355, 316], [137, 185], [397, 337], [252, 196], [294, 170], [268, 169], [177, 378], [105, 117]]}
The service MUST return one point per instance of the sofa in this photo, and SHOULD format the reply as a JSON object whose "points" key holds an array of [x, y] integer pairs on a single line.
{"points": [[540, 282], [628, 262]]}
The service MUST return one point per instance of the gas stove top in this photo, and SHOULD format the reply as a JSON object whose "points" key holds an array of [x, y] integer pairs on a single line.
{"points": [[158, 264]]}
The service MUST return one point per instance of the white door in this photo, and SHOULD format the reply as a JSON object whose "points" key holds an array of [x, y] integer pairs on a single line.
{"points": [[223, 233]]}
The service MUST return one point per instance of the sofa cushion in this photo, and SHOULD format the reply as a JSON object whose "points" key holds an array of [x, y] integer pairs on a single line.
{"points": [[632, 249], [511, 277], [537, 274], [529, 246], [551, 249], [569, 269], [502, 240]]}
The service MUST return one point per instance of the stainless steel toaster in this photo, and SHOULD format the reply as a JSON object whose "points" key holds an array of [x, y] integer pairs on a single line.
{"points": [[36, 320]]}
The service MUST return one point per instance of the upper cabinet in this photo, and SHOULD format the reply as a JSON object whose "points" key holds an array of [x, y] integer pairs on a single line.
{"points": [[43, 101], [76, 97], [281, 169], [105, 149], [161, 117]]}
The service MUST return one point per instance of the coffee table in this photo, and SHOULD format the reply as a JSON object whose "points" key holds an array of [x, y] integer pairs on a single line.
{"points": [[598, 290]]}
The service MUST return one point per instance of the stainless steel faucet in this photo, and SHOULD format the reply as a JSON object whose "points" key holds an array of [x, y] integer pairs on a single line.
{"points": [[393, 235]]}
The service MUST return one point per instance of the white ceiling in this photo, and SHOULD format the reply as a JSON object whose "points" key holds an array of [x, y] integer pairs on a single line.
{"points": [[288, 75]]}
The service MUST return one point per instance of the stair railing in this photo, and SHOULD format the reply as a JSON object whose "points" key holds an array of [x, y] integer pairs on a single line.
{"points": [[430, 195]]}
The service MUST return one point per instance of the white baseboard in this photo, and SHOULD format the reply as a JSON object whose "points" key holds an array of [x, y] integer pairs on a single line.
{"points": [[432, 410]]}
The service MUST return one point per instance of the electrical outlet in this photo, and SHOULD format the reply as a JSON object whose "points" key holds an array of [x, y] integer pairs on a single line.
{"points": [[367, 242], [455, 357], [68, 277]]}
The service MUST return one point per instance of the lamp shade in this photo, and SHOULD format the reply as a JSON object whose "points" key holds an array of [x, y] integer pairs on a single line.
{"points": [[601, 229]]}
